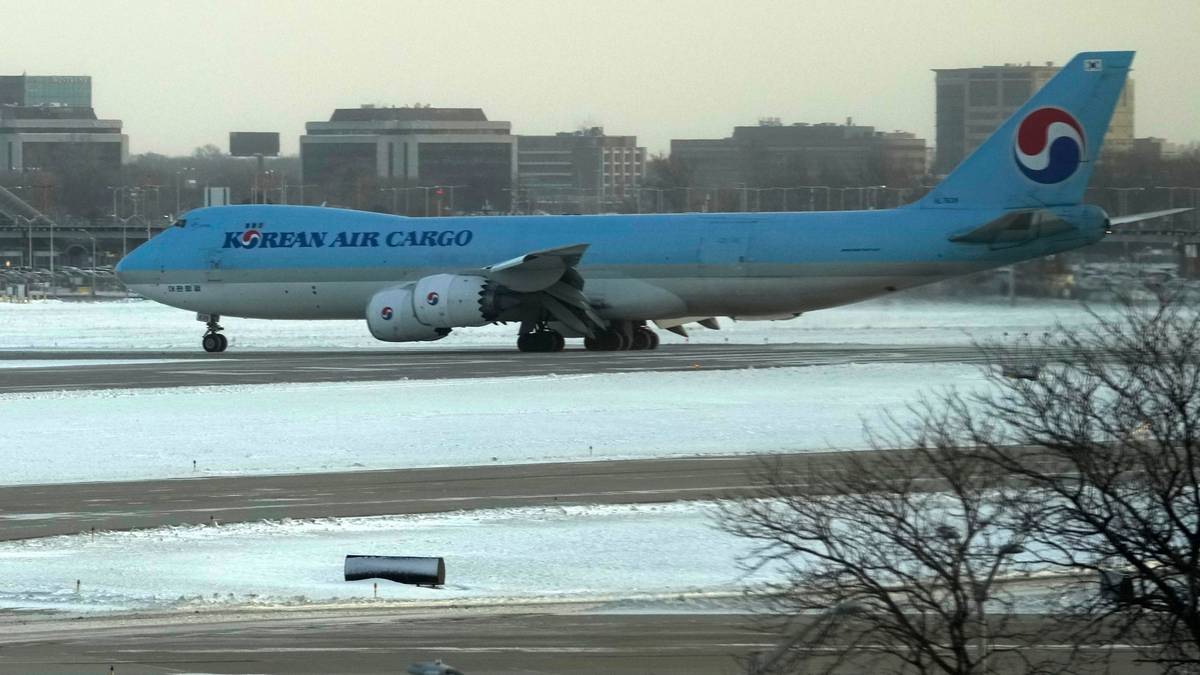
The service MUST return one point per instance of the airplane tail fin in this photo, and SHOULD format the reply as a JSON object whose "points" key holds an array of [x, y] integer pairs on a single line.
{"points": [[1044, 154]]}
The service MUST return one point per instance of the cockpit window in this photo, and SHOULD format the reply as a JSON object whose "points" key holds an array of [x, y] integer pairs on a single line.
{"points": [[179, 223]]}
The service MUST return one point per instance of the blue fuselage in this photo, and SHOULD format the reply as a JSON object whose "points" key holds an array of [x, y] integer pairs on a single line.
{"points": [[325, 263]]}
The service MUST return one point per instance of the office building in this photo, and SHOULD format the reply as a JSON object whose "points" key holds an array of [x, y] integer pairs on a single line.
{"points": [[47, 124], [564, 172], [362, 151], [71, 91], [776, 155]]}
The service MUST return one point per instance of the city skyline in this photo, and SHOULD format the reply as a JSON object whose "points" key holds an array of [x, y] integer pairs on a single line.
{"points": [[182, 76]]}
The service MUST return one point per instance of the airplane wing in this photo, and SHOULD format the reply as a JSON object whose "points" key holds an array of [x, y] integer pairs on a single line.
{"points": [[1149, 215], [536, 271], [544, 274]]}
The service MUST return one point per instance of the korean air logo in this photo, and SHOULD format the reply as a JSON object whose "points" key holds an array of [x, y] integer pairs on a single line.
{"points": [[386, 313], [250, 238], [1049, 146], [432, 298]]}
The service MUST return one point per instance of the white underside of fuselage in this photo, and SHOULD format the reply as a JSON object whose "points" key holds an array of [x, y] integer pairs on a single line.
{"points": [[613, 298]]}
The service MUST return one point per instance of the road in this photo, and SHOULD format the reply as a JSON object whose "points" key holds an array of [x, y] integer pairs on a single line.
{"points": [[172, 369]]}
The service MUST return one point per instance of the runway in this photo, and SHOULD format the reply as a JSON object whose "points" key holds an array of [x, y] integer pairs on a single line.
{"points": [[28, 511], [172, 369]]}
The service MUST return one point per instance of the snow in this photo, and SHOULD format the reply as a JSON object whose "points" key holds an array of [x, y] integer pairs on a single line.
{"points": [[157, 433], [146, 325], [525, 554], [624, 558]]}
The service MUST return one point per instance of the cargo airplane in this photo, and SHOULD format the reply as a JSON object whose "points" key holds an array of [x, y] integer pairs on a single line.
{"points": [[606, 278]]}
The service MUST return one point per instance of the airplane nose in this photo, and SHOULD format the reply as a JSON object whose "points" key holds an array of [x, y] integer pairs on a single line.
{"points": [[136, 264]]}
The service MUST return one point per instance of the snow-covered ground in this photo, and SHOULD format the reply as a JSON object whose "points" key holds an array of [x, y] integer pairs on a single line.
{"points": [[625, 558], [146, 325], [157, 433], [505, 554]]}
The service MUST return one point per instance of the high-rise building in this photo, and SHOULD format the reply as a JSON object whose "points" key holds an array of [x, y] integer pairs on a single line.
{"points": [[777, 155], [360, 151], [973, 102], [567, 170]]}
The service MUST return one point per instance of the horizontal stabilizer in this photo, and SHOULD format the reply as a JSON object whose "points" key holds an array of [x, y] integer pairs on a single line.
{"points": [[1017, 226], [1149, 215]]}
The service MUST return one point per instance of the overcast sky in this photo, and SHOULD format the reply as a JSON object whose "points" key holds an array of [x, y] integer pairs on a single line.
{"points": [[182, 74]]}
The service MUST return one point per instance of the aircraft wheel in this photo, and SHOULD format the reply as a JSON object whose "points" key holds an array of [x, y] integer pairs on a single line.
{"points": [[211, 343], [653, 339], [224, 342], [592, 344], [625, 342], [527, 342], [641, 339], [612, 341], [542, 341]]}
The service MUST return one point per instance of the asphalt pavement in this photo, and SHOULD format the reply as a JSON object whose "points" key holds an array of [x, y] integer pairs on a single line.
{"points": [[505, 641], [28, 511], [189, 369]]}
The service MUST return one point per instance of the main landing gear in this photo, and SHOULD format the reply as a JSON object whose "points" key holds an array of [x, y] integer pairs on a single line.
{"points": [[621, 338], [213, 342], [542, 340]]}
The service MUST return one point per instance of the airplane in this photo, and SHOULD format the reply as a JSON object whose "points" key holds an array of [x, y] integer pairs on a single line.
{"points": [[605, 278]]}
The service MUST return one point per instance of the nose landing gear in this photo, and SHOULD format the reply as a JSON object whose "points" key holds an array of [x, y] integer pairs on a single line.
{"points": [[213, 341]]}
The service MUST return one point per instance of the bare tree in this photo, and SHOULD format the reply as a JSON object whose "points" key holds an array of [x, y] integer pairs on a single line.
{"points": [[891, 562], [1080, 457], [1109, 437]]}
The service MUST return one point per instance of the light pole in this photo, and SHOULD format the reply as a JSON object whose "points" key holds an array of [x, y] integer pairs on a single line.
{"points": [[980, 590], [392, 190], [124, 234], [30, 224], [179, 181], [89, 236], [52, 292]]}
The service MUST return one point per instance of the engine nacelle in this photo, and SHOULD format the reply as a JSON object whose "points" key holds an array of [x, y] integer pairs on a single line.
{"points": [[429, 308], [450, 300], [390, 317]]}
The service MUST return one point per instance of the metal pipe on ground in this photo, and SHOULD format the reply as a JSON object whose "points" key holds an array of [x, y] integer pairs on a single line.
{"points": [[401, 569]]}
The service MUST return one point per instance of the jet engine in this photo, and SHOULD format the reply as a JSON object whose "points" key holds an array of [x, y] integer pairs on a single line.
{"points": [[431, 307], [390, 317]]}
